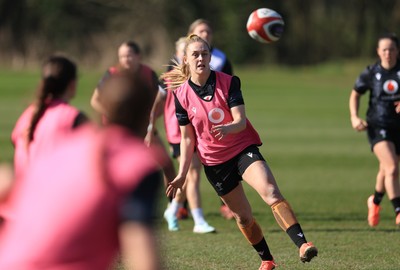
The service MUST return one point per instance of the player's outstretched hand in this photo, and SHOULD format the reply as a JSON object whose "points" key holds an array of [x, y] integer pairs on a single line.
{"points": [[174, 185]]}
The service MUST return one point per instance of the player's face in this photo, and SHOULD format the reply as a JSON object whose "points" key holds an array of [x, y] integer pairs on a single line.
{"points": [[387, 52], [127, 58], [203, 31], [198, 58]]}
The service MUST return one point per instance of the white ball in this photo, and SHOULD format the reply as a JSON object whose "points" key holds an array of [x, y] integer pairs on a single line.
{"points": [[265, 25]]}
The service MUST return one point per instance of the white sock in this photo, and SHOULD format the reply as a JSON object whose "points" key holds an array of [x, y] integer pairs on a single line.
{"points": [[198, 216], [174, 207]]}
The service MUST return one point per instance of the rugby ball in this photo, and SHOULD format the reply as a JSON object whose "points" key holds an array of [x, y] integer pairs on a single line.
{"points": [[265, 25]]}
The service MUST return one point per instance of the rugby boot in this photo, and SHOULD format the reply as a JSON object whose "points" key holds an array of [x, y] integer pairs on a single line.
{"points": [[307, 252], [267, 265], [373, 212]]}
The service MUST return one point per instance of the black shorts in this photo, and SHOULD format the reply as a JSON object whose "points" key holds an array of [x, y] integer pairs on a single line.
{"points": [[378, 134], [226, 176], [175, 149]]}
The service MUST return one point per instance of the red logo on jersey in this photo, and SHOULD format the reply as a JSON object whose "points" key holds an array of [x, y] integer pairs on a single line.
{"points": [[390, 87], [216, 115]]}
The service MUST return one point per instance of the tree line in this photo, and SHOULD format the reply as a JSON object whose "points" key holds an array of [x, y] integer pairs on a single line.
{"points": [[90, 30]]}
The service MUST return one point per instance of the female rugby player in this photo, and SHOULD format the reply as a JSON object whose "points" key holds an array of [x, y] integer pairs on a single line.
{"points": [[382, 81], [211, 113]]}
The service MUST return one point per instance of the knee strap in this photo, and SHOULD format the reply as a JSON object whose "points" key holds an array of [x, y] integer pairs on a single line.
{"points": [[283, 214], [252, 232]]}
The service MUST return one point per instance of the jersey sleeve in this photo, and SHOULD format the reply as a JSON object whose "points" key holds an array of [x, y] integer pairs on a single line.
{"points": [[362, 83], [235, 97], [227, 68], [181, 113], [106, 75]]}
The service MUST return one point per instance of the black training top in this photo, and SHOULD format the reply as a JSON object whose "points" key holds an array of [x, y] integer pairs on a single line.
{"points": [[384, 91], [235, 97]]}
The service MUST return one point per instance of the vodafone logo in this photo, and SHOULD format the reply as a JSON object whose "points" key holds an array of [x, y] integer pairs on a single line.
{"points": [[390, 87], [216, 115]]}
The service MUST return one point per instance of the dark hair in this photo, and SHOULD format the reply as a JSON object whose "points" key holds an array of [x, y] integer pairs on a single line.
{"points": [[133, 46], [57, 73], [127, 100], [392, 36]]}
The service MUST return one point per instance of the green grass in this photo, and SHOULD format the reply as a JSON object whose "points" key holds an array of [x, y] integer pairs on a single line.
{"points": [[324, 169]]}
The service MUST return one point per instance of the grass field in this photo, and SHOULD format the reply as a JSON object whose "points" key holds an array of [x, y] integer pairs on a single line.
{"points": [[324, 169]]}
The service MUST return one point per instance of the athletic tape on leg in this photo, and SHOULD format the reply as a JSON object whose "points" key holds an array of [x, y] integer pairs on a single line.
{"points": [[252, 232], [283, 214]]}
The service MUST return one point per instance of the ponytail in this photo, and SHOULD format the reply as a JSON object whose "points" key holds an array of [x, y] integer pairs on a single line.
{"points": [[57, 73], [44, 94]]}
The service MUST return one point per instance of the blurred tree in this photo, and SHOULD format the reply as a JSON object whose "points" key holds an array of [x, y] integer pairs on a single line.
{"points": [[315, 30]]}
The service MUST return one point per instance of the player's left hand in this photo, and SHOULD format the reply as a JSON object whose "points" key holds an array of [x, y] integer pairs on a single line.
{"points": [[397, 106], [174, 185], [219, 131]]}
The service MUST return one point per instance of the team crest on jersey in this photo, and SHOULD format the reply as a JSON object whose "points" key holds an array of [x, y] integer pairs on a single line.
{"points": [[390, 87], [378, 76], [216, 115], [398, 74]]}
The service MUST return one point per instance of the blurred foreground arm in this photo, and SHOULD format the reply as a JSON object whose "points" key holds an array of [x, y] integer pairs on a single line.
{"points": [[95, 102], [136, 233], [6, 180]]}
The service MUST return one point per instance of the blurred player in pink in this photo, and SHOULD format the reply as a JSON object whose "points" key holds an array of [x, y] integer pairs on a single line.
{"points": [[43, 123], [129, 60], [212, 118], [91, 197]]}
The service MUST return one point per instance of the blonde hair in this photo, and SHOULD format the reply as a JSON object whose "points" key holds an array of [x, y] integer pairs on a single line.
{"points": [[180, 73], [180, 41]]}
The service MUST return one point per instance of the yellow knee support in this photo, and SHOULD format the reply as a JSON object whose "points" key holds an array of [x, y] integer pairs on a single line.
{"points": [[283, 214], [252, 232]]}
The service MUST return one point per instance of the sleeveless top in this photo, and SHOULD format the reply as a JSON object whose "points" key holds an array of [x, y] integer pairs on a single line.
{"points": [[172, 130], [205, 114], [57, 120], [65, 214]]}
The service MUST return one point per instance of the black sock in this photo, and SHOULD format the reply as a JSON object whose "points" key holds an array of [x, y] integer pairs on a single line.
{"points": [[396, 205], [263, 250], [378, 196], [296, 234]]}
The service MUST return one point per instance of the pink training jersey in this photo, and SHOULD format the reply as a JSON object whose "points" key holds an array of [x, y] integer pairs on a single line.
{"points": [[65, 214], [172, 130], [57, 120], [203, 115]]}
